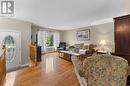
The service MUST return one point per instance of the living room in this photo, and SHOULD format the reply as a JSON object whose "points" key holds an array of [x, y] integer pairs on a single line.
{"points": [[64, 43]]}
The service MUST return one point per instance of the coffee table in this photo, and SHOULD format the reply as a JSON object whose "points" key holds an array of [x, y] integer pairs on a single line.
{"points": [[67, 55]]}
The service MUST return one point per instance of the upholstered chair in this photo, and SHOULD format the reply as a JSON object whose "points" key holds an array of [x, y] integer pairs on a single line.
{"points": [[105, 70], [101, 70]]}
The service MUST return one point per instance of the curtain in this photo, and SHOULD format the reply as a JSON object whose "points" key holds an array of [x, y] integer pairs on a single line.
{"points": [[56, 39], [41, 40]]}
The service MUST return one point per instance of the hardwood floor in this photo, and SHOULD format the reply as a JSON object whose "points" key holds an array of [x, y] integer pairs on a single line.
{"points": [[52, 71]]}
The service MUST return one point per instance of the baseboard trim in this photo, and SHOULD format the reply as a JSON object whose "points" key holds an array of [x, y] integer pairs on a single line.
{"points": [[24, 65], [17, 68]]}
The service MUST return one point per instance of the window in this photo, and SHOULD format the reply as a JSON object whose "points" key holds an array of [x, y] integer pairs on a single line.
{"points": [[49, 39]]}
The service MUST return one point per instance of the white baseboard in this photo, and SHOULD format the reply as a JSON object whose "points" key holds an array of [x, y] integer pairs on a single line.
{"points": [[17, 68], [25, 65]]}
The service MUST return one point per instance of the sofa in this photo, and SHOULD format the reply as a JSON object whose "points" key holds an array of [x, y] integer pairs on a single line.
{"points": [[101, 70], [87, 50]]}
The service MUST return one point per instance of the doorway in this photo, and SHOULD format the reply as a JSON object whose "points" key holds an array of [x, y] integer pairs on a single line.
{"points": [[12, 42]]}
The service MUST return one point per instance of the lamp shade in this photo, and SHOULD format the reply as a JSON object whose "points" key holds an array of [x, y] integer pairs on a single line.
{"points": [[102, 42]]}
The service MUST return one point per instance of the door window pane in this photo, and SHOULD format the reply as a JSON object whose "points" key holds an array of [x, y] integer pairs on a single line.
{"points": [[10, 48]]}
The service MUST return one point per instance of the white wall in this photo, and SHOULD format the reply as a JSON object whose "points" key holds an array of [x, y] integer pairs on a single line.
{"points": [[104, 31], [127, 4], [25, 29], [97, 33], [70, 36], [34, 32]]}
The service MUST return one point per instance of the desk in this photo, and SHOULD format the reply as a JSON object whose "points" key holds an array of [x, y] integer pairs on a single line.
{"points": [[67, 55]]}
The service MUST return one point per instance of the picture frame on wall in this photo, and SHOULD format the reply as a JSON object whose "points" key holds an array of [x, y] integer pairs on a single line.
{"points": [[83, 35]]}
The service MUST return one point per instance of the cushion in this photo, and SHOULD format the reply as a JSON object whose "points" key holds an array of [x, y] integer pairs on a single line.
{"points": [[79, 46]]}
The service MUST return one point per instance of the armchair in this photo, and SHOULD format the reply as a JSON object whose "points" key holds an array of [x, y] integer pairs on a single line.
{"points": [[101, 70], [62, 46]]}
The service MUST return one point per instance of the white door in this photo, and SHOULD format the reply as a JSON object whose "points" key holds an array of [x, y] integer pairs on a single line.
{"points": [[12, 42]]}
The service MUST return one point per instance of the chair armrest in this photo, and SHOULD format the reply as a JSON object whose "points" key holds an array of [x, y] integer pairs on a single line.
{"points": [[81, 73], [78, 65], [129, 70]]}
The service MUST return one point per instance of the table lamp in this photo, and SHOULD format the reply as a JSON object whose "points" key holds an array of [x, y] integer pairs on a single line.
{"points": [[102, 45]]}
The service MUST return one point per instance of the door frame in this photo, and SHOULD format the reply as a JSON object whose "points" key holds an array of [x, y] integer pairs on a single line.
{"points": [[20, 37]]}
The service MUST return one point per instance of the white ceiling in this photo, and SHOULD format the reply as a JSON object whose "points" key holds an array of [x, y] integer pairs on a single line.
{"points": [[67, 14]]}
